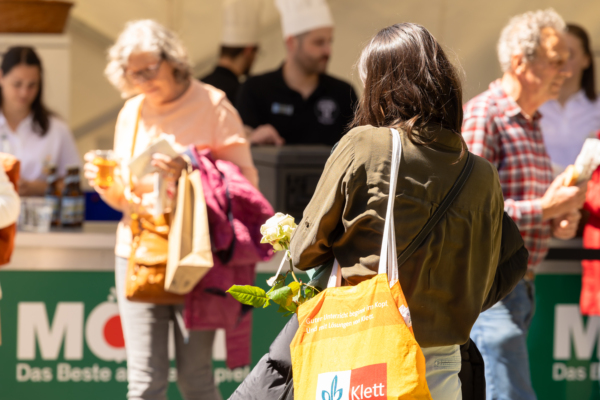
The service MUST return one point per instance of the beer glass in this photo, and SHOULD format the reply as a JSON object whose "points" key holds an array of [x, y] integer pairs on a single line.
{"points": [[106, 161]]}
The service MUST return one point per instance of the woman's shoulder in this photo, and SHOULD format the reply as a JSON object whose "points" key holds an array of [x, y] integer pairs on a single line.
{"points": [[366, 137], [58, 127], [204, 95], [130, 108], [484, 183], [484, 169], [367, 132], [133, 103]]}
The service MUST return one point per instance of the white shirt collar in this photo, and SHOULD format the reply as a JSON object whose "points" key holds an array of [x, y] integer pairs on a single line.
{"points": [[26, 122]]}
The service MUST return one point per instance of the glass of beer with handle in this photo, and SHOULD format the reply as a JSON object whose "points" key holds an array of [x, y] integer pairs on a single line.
{"points": [[106, 161]]}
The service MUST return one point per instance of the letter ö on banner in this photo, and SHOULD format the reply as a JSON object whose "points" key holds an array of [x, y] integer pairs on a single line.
{"points": [[96, 333]]}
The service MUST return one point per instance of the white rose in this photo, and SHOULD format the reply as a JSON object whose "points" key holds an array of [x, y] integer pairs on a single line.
{"points": [[278, 231]]}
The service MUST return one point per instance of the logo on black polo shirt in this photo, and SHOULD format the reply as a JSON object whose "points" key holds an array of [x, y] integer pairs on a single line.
{"points": [[327, 111], [282, 109]]}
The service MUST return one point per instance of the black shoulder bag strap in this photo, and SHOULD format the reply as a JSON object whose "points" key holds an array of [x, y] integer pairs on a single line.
{"points": [[441, 210]]}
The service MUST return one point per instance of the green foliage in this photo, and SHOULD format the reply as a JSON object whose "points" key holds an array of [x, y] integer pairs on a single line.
{"points": [[249, 295], [287, 297], [277, 231], [282, 296], [310, 292], [295, 286], [276, 282]]}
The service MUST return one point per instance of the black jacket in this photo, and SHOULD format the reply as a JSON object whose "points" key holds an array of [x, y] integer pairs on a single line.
{"points": [[271, 379]]}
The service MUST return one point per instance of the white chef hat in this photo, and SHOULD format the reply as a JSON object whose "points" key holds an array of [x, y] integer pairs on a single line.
{"points": [[241, 21], [301, 16]]}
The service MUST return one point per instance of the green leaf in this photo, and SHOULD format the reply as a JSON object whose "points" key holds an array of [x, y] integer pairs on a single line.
{"points": [[279, 282], [249, 295], [282, 310], [310, 292], [300, 298], [295, 286], [282, 296], [291, 309]]}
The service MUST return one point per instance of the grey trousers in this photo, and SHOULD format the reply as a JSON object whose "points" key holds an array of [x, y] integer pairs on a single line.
{"points": [[146, 332]]}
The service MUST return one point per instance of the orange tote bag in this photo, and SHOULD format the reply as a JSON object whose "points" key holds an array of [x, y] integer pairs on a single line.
{"points": [[356, 342]]}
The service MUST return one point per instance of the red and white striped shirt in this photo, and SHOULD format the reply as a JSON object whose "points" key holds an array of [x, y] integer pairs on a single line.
{"points": [[495, 128]]}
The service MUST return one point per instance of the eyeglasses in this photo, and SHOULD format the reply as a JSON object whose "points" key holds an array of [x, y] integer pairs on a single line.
{"points": [[143, 75]]}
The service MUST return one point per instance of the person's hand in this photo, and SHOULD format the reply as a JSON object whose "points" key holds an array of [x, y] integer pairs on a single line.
{"points": [[266, 134], [170, 167], [90, 171], [561, 200], [565, 227]]}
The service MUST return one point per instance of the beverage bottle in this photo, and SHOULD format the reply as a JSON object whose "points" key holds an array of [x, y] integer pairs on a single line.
{"points": [[53, 194], [73, 201]]}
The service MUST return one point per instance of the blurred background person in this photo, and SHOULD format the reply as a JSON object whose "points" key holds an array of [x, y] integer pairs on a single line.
{"points": [[502, 125], [299, 103], [589, 302], [239, 45], [28, 130], [9, 201], [575, 115], [150, 61], [10, 205]]}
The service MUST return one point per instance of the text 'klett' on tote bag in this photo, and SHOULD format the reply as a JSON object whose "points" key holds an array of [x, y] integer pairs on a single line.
{"points": [[356, 342]]}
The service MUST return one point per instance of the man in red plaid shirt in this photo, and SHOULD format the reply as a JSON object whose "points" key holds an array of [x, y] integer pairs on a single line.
{"points": [[502, 125]]}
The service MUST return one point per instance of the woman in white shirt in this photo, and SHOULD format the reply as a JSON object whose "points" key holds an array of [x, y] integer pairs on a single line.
{"points": [[28, 130], [575, 115]]}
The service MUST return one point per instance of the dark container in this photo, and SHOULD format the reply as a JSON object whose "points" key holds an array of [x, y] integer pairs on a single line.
{"points": [[289, 175]]}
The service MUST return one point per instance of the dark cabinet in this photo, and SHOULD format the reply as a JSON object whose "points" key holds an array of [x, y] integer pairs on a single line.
{"points": [[289, 175]]}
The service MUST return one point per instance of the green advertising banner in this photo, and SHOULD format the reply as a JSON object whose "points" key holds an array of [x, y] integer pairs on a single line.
{"points": [[62, 338], [563, 345]]}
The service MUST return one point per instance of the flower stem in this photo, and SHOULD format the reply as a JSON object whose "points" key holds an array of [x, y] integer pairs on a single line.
{"points": [[289, 256]]}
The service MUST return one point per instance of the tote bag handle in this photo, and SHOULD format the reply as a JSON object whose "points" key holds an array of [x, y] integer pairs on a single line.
{"points": [[388, 262]]}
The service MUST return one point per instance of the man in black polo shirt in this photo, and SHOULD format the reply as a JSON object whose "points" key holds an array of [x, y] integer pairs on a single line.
{"points": [[299, 103], [239, 46]]}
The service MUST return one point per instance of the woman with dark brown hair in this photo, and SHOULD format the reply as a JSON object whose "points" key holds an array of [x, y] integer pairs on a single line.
{"points": [[469, 260], [573, 117], [410, 85], [28, 130]]}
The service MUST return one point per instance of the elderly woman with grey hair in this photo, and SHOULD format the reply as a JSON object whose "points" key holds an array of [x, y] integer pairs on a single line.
{"points": [[150, 63]]}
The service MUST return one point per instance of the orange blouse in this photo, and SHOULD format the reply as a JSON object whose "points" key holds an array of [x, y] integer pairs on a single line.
{"points": [[202, 116]]}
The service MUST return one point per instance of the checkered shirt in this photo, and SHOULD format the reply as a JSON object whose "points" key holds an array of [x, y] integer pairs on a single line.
{"points": [[495, 128]]}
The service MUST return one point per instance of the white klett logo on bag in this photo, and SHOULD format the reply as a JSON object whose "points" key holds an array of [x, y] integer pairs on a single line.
{"points": [[368, 382]]}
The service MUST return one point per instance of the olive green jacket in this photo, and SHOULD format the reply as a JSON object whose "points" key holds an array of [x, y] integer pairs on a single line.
{"points": [[449, 277]]}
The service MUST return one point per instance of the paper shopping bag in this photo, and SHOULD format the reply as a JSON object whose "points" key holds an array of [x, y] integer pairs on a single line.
{"points": [[190, 253]]}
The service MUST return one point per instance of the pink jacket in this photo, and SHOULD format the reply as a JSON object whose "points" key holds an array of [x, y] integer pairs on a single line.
{"points": [[208, 307]]}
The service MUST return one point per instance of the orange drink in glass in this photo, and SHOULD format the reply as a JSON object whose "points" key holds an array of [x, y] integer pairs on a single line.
{"points": [[106, 162]]}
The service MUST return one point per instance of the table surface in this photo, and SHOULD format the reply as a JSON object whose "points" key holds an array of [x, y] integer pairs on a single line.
{"points": [[91, 248]]}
